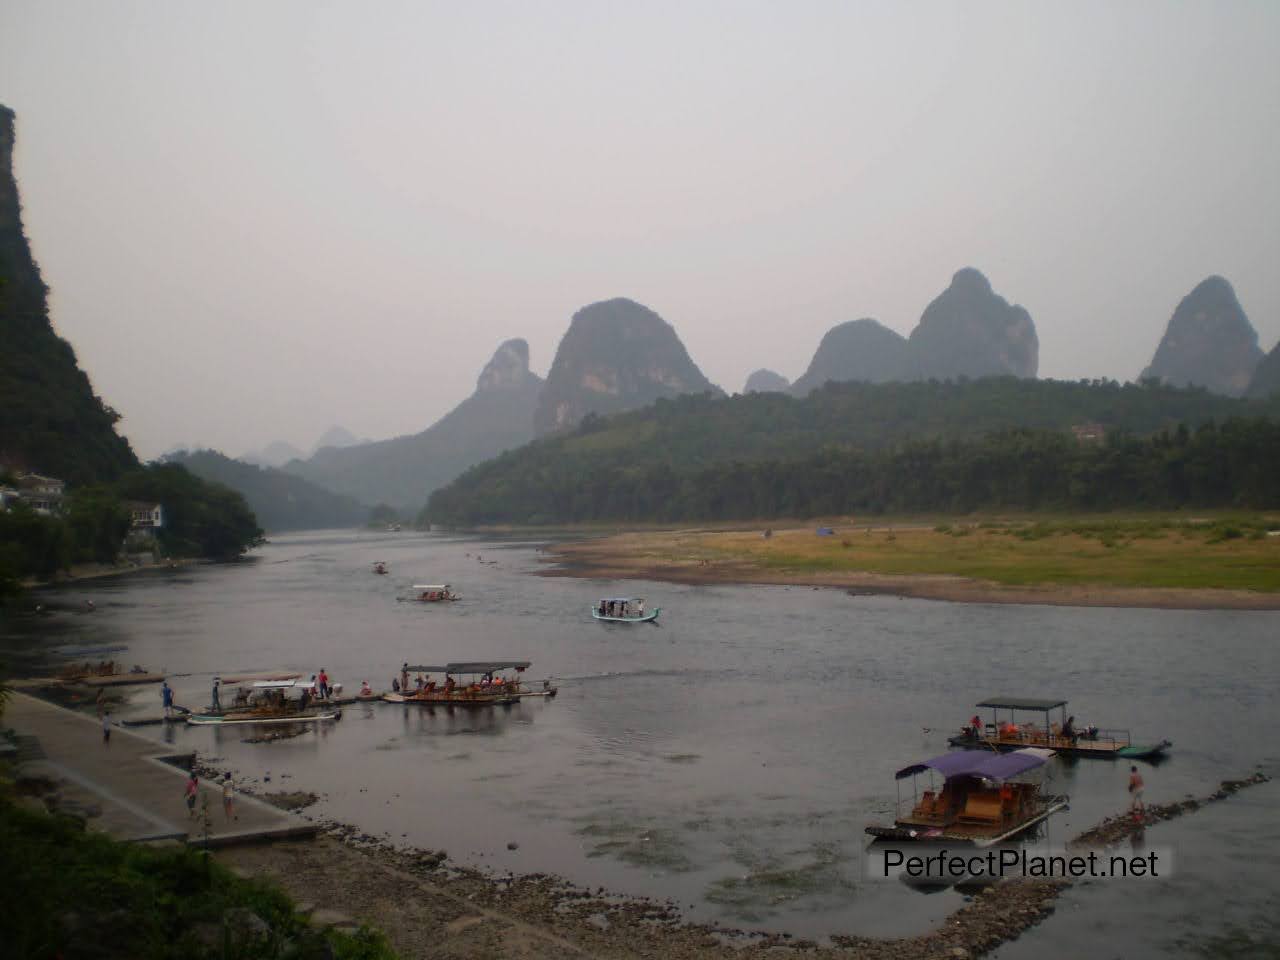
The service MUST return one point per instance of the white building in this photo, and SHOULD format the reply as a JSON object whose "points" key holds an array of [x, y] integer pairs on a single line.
{"points": [[145, 516]]}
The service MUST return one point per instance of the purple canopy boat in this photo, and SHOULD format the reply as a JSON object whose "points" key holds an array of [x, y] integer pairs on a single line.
{"points": [[985, 798]]}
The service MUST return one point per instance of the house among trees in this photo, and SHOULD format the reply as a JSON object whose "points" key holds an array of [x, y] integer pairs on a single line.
{"points": [[41, 494], [144, 517], [1089, 432]]}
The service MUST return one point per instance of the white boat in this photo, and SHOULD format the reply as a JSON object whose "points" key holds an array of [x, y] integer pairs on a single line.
{"points": [[269, 702], [624, 610], [203, 719]]}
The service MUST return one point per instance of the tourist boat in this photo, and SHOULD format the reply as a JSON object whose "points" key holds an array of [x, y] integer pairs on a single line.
{"points": [[433, 592], [1152, 751], [1009, 734], [269, 702], [483, 684], [380, 566], [107, 673], [624, 610], [985, 798]]}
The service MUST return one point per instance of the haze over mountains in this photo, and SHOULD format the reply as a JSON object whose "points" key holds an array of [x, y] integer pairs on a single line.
{"points": [[279, 452], [619, 355], [616, 356], [402, 472], [1209, 342]]}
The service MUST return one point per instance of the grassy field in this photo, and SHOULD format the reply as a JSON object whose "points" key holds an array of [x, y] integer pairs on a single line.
{"points": [[1216, 551]]}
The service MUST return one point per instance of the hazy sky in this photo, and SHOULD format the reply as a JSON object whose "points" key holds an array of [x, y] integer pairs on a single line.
{"points": [[262, 219]]}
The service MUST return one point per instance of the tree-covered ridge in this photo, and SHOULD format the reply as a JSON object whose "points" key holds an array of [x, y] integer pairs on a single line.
{"points": [[279, 500], [855, 446], [50, 419]]}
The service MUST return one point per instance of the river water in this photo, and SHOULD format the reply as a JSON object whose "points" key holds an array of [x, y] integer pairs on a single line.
{"points": [[727, 758]]}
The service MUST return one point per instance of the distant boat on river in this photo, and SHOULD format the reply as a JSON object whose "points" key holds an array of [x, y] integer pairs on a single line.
{"points": [[624, 610]]}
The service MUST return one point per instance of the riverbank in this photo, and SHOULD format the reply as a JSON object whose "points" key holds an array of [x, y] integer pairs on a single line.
{"points": [[79, 572], [1149, 562], [406, 892], [430, 906]]}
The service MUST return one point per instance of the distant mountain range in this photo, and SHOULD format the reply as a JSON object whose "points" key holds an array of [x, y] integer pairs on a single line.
{"points": [[619, 355], [616, 356], [279, 452], [281, 501], [403, 471]]}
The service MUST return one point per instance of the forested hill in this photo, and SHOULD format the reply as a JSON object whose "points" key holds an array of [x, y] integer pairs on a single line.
{"points": [[279, 500], [765, 454], [51, 421]]}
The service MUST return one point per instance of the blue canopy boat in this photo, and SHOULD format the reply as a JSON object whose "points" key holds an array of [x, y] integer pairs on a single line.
{"points": [[981, 801], [624, 610]]}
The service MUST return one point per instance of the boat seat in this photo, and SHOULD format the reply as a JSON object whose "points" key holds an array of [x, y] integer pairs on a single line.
{"points": [[1010, 800], [924, 808], [982, 808]]}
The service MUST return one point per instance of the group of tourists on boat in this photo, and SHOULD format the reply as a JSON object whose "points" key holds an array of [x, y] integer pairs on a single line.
{"points": [[989, 792], [623, 610], [433, 592], [483, 682]]}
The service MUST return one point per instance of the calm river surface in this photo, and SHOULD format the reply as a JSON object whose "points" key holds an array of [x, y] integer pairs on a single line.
{"points": [[730, 757]]}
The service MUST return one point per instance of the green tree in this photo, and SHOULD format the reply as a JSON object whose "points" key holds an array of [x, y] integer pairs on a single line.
{"points": [[98, 523]]}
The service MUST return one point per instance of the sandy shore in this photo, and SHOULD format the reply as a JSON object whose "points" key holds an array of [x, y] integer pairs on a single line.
{"points": [[643, 556]]}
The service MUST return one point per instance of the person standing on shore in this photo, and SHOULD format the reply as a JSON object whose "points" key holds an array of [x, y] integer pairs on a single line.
{"points": [[192, 791], [166, 698], [1136, 787], [229, 798], [106, 727]]}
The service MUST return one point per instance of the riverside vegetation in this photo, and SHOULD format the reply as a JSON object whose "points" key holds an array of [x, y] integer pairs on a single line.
{"points": [[68, 892], [201, 519], [1219, 552]]}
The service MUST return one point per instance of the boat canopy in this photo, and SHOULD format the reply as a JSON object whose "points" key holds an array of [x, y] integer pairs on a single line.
{"points": [[432, 586], [274, 684], [486, 666], [246, 677], [1022, 703], [988, 766], [482, 666], [620, 599]]}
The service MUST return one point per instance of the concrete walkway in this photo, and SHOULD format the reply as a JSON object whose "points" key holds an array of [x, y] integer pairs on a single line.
{"points": [[138, 794]]}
